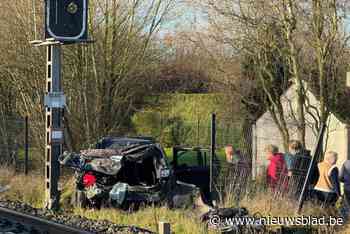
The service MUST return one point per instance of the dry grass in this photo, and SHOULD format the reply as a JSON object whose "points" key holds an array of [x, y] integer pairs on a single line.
{"points": [[182, 221], [68, 186], [30, 190], [5, 176], [266, 205]]}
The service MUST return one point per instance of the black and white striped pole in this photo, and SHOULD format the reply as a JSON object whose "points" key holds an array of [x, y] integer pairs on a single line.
{"points": [[54, 104], [65, 23]]}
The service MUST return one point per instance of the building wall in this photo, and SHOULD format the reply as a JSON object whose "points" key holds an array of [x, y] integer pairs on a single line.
{"points": [[267, 131], [337, 139]]}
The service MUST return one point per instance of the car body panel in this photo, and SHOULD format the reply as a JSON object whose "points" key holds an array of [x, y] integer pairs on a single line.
{"points": [[190, 165]]}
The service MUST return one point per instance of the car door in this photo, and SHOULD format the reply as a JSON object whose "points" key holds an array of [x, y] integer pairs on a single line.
{"points": [[192, 167]]}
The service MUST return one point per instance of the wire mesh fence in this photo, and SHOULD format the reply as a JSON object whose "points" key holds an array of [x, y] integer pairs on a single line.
{"points": [[12, 141], [172, 131], [297, 176], [232, 181]]}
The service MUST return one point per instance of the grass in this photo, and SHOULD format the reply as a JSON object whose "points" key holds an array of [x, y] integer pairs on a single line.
{"points": [[30, 190], [266, 206], [182, 221]]}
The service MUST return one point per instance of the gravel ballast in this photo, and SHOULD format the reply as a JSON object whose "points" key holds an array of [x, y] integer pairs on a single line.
{"points": [[94, 226]]}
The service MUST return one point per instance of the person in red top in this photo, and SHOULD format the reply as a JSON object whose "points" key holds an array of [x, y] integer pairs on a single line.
{"points": [[277, 172]]}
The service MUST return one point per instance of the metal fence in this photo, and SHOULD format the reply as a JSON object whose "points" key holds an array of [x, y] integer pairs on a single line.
{"points": [[13, 141], [231, 182], [172, 131]]}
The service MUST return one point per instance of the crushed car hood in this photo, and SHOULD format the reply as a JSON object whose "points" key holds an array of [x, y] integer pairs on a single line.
{"points": [[111, 161]]}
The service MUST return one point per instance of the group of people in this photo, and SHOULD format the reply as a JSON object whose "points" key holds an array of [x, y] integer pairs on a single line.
{"points": [[285, 170]]}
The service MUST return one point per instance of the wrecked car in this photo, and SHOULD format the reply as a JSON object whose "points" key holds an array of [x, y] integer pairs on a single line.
{"points": [[124, 171]]}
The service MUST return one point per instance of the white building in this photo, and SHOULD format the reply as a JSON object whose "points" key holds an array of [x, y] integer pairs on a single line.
{"points": [[337, 137]]}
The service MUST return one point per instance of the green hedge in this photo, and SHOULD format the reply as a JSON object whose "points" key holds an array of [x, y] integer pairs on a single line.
{"points": [[184, 119]]}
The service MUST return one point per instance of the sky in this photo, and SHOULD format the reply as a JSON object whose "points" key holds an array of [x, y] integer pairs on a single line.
{"points": [[184, 18], [187, 18]]}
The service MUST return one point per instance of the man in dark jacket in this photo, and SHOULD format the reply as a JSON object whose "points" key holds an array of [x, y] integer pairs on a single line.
{"points": [[344, 177], [297, 161]]}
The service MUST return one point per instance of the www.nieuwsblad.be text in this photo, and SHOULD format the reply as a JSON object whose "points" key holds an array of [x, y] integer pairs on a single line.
{"points": [[219, 222]]}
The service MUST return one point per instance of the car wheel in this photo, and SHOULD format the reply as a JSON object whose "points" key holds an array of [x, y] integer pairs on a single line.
{"points": [[124, 206]]}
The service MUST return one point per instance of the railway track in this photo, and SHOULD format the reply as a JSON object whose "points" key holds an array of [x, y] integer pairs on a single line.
{"points": [[18, 223]]}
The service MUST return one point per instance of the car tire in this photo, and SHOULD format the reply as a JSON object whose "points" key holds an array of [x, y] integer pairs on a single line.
{"points": [[125, 206]]}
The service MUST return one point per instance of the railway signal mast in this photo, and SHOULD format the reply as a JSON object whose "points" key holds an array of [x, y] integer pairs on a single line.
{"points": [[66, 22]]}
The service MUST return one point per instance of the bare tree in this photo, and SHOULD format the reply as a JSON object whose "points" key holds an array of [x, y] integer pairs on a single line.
{"points": [[304, 35], [105, 81]]}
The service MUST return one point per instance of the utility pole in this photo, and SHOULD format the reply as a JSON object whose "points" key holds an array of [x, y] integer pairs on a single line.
{"points": [[54, 104], [65, 23]]}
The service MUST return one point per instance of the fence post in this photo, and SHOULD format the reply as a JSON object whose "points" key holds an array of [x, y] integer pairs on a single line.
{"points": [[254, 152], [26, 146], [315, 155], [212, 151], [164, 228], [198, 130]]}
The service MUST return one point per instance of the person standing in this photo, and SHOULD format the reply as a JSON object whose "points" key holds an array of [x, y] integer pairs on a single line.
{"points": [[344, 177], [277, 170], [238, 162], [297, 162], [238, 170], [327, 188], [233, 156], [297, 158], [229, 153]]}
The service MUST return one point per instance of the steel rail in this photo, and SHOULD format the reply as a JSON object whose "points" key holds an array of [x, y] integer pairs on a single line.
{"points": [[43, 225]]}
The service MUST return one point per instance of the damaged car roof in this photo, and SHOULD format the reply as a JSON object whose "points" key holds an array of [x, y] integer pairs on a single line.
{"points": [[122, 142]]}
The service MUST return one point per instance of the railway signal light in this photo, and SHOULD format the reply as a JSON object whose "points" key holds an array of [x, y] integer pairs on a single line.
{"points": [[66, 20]]}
